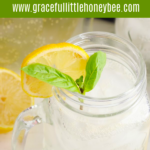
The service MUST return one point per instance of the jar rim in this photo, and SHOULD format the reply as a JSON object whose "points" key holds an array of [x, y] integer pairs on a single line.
{"points": [[141, 78]]}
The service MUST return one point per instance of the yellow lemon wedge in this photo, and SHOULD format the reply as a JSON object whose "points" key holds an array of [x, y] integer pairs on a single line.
{"points": [[13, 100], [67, 58]]}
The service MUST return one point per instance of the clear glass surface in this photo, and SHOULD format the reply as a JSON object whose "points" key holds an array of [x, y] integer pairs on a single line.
{"points": [[115, 114], [137, 30]]}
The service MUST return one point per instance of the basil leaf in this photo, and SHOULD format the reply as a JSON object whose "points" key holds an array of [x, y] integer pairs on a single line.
{"points": [[94, 68], [80, 82], [52, 76]]}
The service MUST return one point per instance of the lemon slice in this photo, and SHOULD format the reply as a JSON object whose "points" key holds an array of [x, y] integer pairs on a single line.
{"points": [[65, 57], [13, 100]]}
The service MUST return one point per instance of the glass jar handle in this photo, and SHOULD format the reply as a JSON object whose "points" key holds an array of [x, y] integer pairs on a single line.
{"points": [[26, 120]]}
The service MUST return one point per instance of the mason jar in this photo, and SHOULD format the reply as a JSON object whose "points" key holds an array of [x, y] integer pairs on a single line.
{"points": [[115, 115]]}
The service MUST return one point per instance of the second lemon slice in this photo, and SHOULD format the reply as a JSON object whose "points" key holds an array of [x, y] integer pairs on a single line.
{"points": [[13, 100], [65, 57]]}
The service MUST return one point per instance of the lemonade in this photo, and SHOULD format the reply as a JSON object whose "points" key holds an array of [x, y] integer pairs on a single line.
{"points": [[115, 115]]}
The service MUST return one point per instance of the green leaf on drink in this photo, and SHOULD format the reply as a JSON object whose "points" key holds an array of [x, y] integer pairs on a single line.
{"points": [[52, 76], [94, 68]]}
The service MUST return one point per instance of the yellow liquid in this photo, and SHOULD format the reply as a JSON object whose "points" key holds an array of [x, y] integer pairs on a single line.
{"points": [[20, 36]]}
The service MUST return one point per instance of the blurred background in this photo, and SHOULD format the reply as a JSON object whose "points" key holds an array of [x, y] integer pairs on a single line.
{"points": [[20, 36]]}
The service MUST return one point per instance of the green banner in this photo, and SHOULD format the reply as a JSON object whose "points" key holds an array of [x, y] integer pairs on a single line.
{"points": [[79, 9]]}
